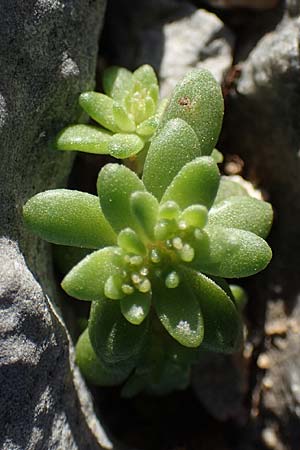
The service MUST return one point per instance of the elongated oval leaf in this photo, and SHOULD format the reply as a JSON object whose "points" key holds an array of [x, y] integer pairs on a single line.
{"points": [[196, 183], [180, 313], [222, 322], [66, 217], [115, 185], [94, 370], [122, 118], [148, 127], [197, 99], [245, 213], [233, 253], [145, 75], [124, 145], [175, 145], [144, 208], [135, 307], [84, 138], [113, 338], [87, 279], [100, 108], [117, 82], [229, 188]]}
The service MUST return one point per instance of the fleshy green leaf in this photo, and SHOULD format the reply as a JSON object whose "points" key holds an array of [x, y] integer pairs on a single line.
{"points": [[144, 208], [222, 323], [66, 217], [100, 108], [196, 183], [84, 138], [245, 213], [229, 188], [130, 242], [240, 296], [197, 99], [175, 145], [122, 119], [117, 82], [113, 338], [87, 279], [180, 313], [162, 106], [135, 307], [93, 369], [124, 145], [115, 185], [217, 156], [148, 127], [150, 106], [232, 253], [146, 76]]}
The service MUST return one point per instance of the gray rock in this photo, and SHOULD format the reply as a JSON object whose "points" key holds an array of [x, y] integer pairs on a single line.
{"points": [[198, 40], [48, 55], [171, 35], [44, 403], [262, 126]]}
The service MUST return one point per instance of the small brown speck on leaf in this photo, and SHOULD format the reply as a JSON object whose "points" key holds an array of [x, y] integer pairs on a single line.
{"points": [[185, 101]]}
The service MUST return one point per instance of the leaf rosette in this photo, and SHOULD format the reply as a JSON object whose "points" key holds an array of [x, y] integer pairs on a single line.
{"points": [[128, 114], [160, 248]]}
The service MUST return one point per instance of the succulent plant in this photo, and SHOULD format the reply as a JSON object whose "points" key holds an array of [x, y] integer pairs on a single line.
{"points": [[128, 112], [162, 248]]}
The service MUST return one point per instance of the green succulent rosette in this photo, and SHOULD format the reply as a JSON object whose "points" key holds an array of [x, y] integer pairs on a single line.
{"points": [[160, 249], [156, 257], [128, 114]]}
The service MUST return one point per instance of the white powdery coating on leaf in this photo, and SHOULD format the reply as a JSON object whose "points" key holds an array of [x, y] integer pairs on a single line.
{"points": [[136, 311], [184, 327]]}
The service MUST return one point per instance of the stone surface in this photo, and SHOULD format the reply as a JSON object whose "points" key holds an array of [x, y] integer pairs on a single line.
{"points": [[47, 58], [171, 35], [262, 126], [198, 40], [44, 403]]}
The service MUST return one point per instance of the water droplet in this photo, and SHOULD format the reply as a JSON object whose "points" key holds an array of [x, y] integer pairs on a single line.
{"points": [[198, 233], [136, 278], [144, 286], [182, 225], [127, 289], [155, 256], [187, 253], [144, 271], [136, 260], [172, 280], [169, 243], [177, 243]]}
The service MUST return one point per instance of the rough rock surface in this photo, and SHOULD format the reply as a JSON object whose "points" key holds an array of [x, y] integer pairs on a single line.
{"points": [[198, 40], [171, 35], [262, 126], [47, 58], [44, 403]]}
